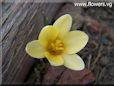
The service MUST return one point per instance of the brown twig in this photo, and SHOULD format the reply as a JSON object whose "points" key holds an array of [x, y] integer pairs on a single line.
{"points": [[97, 58], [89, 61]]}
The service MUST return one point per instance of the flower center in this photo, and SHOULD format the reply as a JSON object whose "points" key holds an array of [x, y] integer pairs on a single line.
{"points": [[56, 47]]}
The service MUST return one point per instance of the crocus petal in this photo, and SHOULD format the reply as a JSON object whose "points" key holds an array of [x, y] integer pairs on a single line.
{"points": [[34, 49], [73, 61], [55, 60], [63, 23], [75, 41], [47, 34]]}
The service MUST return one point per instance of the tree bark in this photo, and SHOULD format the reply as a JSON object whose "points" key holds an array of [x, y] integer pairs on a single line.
{"points": [[21, 23]]}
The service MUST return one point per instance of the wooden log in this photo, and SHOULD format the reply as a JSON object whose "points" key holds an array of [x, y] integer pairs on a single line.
{"points": [[21, 23]]}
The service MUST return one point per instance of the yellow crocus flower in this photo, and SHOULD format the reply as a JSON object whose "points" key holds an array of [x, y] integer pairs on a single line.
{"points": [[58, 44]]}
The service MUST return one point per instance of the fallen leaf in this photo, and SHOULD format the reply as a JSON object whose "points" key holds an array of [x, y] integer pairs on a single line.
{"points": [[52, 75], [62, 76], [94, 25], [76, 77]]}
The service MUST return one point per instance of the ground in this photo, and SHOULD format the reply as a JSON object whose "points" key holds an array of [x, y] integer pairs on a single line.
{"points": [[98, 23]]}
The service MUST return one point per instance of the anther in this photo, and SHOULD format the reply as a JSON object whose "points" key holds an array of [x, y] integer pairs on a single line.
{"points": [[60, 45], [59, 48], [52, 44], [58, 42]]}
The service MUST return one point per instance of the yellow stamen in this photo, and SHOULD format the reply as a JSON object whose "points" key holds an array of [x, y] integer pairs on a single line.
{"points": [[60, 45], [59, 48], [56, 47]]}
